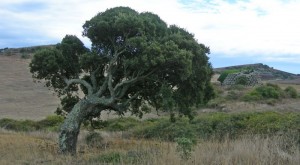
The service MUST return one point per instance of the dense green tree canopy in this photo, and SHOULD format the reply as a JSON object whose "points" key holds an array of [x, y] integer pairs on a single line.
{"points": [[136, 60]]}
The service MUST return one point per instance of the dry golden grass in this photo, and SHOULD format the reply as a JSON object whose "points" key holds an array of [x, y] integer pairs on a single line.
{"points": [[40, 148], [20, 97], [296, 86]]}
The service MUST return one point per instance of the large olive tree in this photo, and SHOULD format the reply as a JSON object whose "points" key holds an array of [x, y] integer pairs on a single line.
{"points": [[136, 60]]}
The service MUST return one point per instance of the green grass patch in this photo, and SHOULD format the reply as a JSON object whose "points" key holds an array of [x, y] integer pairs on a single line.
{"points": [[51, 123]]}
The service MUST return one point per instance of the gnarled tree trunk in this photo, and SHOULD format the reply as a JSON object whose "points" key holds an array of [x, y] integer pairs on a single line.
{"points": [[70, 129]]}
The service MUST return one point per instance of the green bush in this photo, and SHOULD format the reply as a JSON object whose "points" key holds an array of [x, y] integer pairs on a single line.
{"points": [[271, 122], [268, 91], [121, 124], [15, 125], [291, 92], [252, 96], [51, 123], [220, 125], [184, 147], [163, 129]]}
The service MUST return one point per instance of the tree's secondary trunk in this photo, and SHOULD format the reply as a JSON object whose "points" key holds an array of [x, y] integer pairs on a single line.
{"points": [[70, 129]]}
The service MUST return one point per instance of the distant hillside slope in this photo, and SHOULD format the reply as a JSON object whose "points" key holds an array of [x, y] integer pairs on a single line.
{"points": [[22, 51], [263, 71], [20, 97]]}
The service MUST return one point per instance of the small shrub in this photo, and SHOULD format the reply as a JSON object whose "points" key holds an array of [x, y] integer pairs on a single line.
{"points": [[51, 121], [268, 91], [184, 147], [272, 122], [252, 96], [219, 125], [94, 139], [291, 92]]}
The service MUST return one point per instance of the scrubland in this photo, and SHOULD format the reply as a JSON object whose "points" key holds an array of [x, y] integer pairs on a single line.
{"points": [[242, 125], [216, 138]]}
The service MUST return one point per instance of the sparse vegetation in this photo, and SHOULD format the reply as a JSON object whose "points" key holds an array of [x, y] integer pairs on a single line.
{"points": [[280, 148], [25, 56]]}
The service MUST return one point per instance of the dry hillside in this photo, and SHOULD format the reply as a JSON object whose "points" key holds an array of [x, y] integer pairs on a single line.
{"points": [[20, 97]]}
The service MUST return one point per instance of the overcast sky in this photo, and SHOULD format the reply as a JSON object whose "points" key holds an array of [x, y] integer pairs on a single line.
{"points": [[237, 31]]}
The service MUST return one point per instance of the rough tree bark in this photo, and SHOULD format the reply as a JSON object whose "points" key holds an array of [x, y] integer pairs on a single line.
{"points": [[70, 129]]}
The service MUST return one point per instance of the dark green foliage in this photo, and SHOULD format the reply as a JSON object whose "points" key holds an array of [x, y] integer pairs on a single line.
{"points": [[136, 60], [291, 92], [67, 102], [128, 45]]}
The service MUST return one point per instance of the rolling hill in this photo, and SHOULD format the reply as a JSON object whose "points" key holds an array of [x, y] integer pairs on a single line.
{"points": [[265, 72], [21, 98]]}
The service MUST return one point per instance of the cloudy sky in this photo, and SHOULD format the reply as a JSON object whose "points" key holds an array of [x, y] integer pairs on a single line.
{"points": [[237, 31]]}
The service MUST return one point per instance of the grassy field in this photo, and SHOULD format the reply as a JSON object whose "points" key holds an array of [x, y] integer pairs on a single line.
{"points": [[41, 148]]}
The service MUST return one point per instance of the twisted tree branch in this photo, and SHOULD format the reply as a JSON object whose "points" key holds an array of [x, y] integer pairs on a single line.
{"points": [[79, 81]]}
